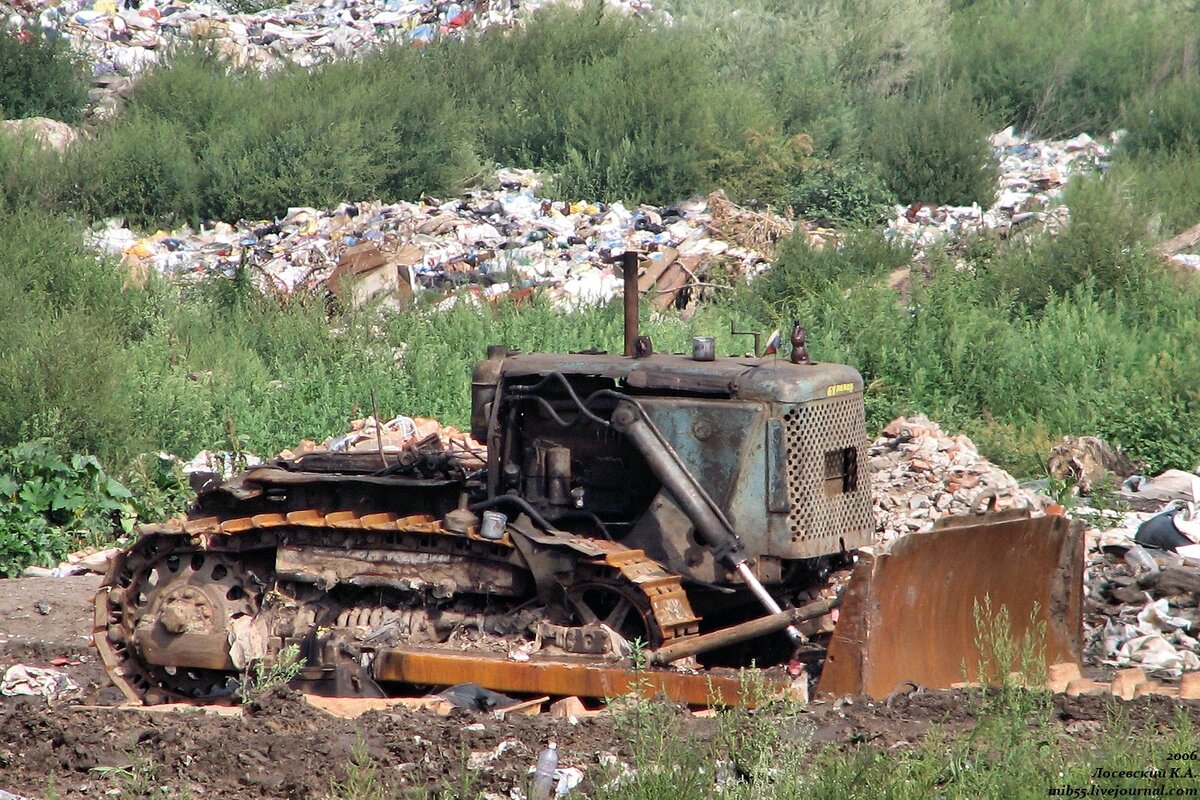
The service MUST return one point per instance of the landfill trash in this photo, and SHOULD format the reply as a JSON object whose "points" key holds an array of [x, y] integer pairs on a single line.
{"points": [[543, 774], [224, 463], [1171, 530], [920, 473], [94, 560], [509, 241], [475, 698], [1033, 174], [10, 796], [1152, 493], [38, 682], [1086, 460], [119, 41]]}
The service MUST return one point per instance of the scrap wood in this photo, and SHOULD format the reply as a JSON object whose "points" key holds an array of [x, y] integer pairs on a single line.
{"points": [[354, 707], [526, 707], [753, 230]]}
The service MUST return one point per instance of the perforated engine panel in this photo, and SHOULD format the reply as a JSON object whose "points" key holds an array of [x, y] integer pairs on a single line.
{"points": [[828, 484]]}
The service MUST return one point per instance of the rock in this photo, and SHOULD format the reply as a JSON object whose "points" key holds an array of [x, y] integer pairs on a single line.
{"points": [[51, 133], [1086, 686], [1189, 686], [1059, 676]]}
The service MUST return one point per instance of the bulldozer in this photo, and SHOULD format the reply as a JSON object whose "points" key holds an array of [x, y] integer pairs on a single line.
{"points": [[643, 520]]}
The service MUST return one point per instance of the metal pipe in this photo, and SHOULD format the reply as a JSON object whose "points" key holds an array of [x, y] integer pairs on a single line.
{"points": [[629, 270], [764, 597], [743, 631], [630, 420]]}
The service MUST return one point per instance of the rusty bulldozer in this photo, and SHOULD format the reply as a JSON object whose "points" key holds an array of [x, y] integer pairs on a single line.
{"points": [[703, 512]]}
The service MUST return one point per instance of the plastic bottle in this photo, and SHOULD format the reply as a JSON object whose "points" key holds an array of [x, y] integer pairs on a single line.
{"points": [[1140, 561], [543, 774]]}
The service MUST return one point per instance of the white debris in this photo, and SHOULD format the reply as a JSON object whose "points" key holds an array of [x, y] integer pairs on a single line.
{"points": [[1033, 174], [38, 682]]}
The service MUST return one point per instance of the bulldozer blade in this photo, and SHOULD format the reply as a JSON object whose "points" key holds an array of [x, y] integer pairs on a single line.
{"points": [[562, 677], [909, 612]]}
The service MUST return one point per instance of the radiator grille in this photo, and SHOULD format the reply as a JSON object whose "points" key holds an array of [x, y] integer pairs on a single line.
{"points": [[828, 486]]}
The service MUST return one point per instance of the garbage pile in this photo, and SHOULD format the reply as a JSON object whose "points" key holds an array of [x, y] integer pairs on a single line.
{"points": [[120, 39], [367, 435], [1141, 601], [495, 241], [1033, 174], [920, 473]]}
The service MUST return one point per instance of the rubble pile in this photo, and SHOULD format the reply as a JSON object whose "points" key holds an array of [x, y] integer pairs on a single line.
{"points": [[1141, 603], [498, 242], [919, 474], [366, 435], [1033, 174], [120, 39]]}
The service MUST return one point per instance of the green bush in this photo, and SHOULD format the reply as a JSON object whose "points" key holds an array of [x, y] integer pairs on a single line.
{"points": [[1100, 249], [38, 77], [620, 110], [835, 192], [1058, 67], [933, 148], [51, 503], [1167, 120], [803, 271], [206, 141]]}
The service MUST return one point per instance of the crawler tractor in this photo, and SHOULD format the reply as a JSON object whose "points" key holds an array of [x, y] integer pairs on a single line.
{"points": [[699, 510]]}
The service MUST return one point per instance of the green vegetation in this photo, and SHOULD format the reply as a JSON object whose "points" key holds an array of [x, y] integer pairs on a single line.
{"points": [[51, 502], [836, 109], [39, 78], [264, 676]]}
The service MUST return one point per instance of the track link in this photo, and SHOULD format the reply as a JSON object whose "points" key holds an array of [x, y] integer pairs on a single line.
{"points": [[240, 553]]}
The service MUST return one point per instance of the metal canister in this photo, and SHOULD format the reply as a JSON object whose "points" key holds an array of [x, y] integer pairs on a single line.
{"points": [[704, 348], [493, 525]]}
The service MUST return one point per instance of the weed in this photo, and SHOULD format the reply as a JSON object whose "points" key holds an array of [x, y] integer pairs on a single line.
{"points": [[1011, 666], [265, 675], [765, 738], [362, 781]]}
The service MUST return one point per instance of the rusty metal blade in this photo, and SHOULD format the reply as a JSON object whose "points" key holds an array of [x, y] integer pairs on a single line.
{"points": [[562, 677], [908, 613]]}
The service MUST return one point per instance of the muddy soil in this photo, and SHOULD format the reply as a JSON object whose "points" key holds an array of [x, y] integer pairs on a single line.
{"points": [[283, 748]]}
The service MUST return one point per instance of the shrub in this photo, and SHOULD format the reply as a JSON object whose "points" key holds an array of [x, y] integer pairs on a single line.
{"points": [[836, 192], [933, 149], [1059, 67], [205, 140], [622, 111], [1167, 120], [38, 77], [1100, 250], [141, 169], [802, 271]]}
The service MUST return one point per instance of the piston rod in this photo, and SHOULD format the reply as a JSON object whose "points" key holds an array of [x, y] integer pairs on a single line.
{"points": [[630, 420]]}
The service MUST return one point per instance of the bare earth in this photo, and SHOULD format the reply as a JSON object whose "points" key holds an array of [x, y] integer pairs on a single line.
{"points": [[282, 748]]}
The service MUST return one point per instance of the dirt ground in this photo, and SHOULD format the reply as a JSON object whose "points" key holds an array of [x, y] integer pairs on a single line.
{"points": [[283, 748]]}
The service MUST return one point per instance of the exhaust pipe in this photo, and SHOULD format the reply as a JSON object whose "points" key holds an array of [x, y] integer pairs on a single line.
{"points": [[629, 273]]}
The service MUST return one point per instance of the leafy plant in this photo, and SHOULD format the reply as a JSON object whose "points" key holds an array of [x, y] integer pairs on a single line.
{"points": [[362, 781], [933, 148], [834, 192], [54, 503]]}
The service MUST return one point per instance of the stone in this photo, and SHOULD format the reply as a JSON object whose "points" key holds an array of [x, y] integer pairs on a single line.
{"points": [[1189, 686], [1059, 676]]}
